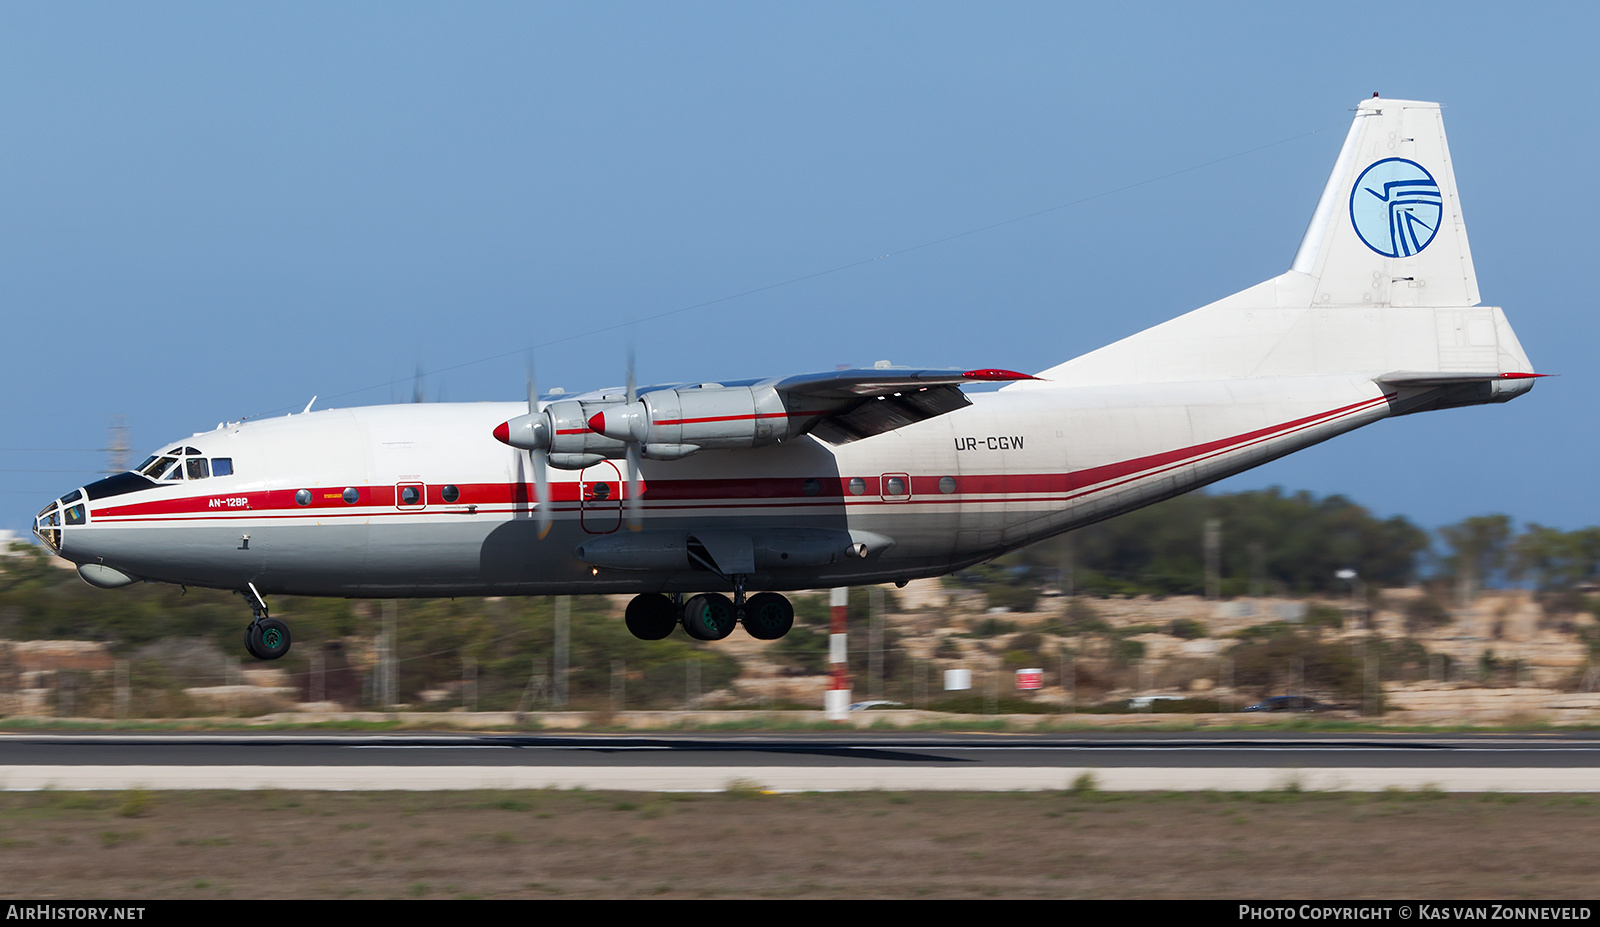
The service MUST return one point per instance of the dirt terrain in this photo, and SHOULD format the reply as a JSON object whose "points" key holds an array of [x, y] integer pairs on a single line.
{"points": [[742, 843]]}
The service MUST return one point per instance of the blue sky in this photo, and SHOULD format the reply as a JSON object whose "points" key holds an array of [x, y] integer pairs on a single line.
{"points": [[209, 211]]}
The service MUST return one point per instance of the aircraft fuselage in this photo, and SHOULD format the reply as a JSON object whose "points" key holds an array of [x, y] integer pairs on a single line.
{"points": [[440, 508]]}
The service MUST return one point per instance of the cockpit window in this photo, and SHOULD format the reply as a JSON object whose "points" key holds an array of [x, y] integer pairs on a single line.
{"points": [[156, 466], [185, 463]]}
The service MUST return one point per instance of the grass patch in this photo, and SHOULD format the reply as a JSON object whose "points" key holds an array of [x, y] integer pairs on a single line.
{"points": [[136, 803], [743, 789], [113, 838]]}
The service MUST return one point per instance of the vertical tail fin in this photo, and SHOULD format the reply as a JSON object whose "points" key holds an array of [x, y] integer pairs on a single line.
{"points": [[1382, 282], [1388, 229]]}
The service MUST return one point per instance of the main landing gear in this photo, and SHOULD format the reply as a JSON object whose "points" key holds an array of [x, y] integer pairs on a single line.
{"points": [[266, 638], [710, 616]]}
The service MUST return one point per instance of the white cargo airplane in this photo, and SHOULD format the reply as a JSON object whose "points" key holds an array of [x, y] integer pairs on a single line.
{"points": [[834, 479]]}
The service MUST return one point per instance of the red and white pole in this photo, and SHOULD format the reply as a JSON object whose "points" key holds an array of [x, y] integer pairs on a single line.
{"points": [[836, 702]]}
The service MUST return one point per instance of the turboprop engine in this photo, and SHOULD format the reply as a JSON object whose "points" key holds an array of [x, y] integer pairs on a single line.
{"points": [[671, 423], [666, 424], [561, 430]]}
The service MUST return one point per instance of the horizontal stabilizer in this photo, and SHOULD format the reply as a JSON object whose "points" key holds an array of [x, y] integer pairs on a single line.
{"points": [[1413, 378]]}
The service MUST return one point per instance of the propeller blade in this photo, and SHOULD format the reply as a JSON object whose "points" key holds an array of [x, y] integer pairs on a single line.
{"points": [[541, 475], [634, 449], [541, 489], [631, 391], [634, 521]]}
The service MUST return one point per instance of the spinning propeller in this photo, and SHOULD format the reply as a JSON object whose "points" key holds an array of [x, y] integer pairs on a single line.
{"points": [[535, 433], [635, 446], [532, 432]]}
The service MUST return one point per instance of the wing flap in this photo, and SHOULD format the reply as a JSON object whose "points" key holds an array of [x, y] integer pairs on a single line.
{"points": [[876, 415], [883, 381], [848, 405]]}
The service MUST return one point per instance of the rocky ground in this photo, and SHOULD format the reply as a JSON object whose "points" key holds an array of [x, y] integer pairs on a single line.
{"points": [[743, 844], [1499, 659]]}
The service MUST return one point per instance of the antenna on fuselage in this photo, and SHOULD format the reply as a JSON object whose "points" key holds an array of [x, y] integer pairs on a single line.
{"points": [[633, 450], [308, 406]]}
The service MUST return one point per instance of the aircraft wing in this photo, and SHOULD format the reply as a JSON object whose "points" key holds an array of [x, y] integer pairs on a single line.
{"points": [[848, 405], [672, 422], [883, 381]]}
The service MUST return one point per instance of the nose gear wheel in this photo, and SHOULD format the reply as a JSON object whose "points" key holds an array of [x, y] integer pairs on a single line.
{"points": [[266, 638]]}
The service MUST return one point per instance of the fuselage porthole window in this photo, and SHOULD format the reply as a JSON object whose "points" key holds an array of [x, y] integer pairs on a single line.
{"points": [[222, 466], [947, 484], [857, 485], [302, 497], [352, 495], [450, 494], [410, 495]]}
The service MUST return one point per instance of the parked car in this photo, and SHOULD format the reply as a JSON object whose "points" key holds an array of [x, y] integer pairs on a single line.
{"points": [[1290, 703], [1146, 702], [876, 703]]}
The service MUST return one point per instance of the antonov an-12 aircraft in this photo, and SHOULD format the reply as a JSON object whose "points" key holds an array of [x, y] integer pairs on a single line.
{"points": [[755, 487]]}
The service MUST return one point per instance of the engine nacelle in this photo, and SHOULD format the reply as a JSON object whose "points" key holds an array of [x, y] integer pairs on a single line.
{"points": [[673, 423], [561, 429], [573, 445]]}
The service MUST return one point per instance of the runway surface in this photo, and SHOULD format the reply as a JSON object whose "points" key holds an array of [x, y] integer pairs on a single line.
{"points": [[801, 762]]}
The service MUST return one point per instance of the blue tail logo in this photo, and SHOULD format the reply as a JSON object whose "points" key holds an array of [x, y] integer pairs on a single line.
{"points": [[1396, 207]]}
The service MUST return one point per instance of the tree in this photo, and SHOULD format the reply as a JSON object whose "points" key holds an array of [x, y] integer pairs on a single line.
{"points": [[1477, 553], [1555, 561], [1295, 542]]}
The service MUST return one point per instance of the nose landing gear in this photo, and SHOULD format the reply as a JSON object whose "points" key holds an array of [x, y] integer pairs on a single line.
{"points": [[266, 638]]}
